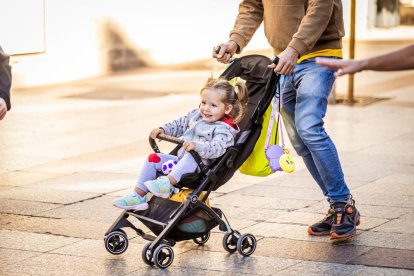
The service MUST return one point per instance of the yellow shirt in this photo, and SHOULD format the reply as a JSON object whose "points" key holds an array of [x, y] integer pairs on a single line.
{"points": [[322, 53]]}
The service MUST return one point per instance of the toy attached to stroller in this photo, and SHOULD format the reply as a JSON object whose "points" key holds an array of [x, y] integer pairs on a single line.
{"points": [[193, 219]]}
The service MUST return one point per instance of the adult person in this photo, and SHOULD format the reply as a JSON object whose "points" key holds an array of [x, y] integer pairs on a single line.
{"points": [[5, 84], [299, 31], [401, 59]]}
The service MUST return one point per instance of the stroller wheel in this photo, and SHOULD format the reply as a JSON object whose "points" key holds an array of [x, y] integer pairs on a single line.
{"points": [[147, 255], [203, 239], [163, 256], [246, 244], [116, 242], [230, 242]]}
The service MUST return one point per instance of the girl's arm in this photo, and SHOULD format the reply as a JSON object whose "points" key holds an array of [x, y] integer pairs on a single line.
{"points": [[177, 127]]}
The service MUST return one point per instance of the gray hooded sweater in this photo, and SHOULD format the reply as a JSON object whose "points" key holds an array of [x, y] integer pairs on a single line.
{"points": [[211, 139]]}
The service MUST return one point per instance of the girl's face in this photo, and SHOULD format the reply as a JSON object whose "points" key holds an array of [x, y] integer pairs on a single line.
{"points": [[212, 107]]}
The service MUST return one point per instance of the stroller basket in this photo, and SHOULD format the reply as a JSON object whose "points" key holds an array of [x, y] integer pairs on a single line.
{"points": [[195, 223]]}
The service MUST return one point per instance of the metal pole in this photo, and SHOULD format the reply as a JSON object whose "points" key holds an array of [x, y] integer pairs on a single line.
{"points": [[351, 52]]}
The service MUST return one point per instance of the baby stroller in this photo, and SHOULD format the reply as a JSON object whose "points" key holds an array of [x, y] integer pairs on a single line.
{"points": [[163, 217]]}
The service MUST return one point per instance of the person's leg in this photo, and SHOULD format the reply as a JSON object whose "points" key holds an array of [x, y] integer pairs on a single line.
{"points": [[288, 90], [137, 200], [163, 185], [314, 84], [151, 166]]}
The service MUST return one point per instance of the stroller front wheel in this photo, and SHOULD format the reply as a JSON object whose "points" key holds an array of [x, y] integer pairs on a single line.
{"points": [[163, 256], [230, 242], [246, 244], [147, 255], [116, 242]]}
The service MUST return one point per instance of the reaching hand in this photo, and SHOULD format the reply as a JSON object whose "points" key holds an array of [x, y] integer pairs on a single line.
{"points": [[155, 132], [227, 50], [343, 67], [287, 61], [3, 109], [189, 146]]}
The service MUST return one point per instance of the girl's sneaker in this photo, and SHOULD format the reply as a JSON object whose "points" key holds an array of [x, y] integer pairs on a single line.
{"points": [[133, 201], [160, 187]]}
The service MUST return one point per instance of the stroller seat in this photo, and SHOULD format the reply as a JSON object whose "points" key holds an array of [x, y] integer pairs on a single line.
{"points": [[164, 216]]}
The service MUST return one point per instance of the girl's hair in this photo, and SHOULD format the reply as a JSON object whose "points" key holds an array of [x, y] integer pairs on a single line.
{"points": [[236, 95]]}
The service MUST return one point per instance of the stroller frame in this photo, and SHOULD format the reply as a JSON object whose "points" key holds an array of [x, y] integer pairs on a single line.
{"points": [[159, 250]]}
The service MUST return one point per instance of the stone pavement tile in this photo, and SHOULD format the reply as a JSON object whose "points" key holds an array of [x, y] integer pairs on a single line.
{"points": [[92, 182], [386, 257], [8, 218], [319, 268], [259, 202], [232, 263], [277, 192], [22, 178], [15, 162], [96, 249], [383, 239], [304, 218], [56, 264], [398, 178], [24, 207], [64, 227], [12, 256], [373, 196], [95, 209], [179, 271], [404, 224], [280, 230], [401, 186], [248, 213], [372, 211], [309, 251], [45, 195], [32, 241]]}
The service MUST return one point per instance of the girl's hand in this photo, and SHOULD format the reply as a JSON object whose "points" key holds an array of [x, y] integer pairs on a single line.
{"points": [[155, 132], [189, 146]]}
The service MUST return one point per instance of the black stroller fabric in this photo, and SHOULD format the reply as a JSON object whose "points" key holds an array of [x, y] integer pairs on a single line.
{"points": [[261, 83]]}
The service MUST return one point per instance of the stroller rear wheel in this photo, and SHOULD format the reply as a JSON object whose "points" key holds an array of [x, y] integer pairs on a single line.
{"points": [[116, 242], [246, 244], [203, 239], [163, 256], [147, 255]]}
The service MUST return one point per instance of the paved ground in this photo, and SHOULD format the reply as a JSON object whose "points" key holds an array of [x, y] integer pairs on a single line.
{"points": [[67, 151]]}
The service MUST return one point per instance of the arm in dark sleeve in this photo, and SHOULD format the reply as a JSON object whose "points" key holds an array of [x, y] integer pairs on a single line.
{"points": [[5, 78]]}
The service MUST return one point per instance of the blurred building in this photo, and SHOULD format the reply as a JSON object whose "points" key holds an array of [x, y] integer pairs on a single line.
{"points": [[57, 41]]}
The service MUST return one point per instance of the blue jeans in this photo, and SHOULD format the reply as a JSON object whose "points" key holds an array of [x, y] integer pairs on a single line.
{"points": [[305, 98]]}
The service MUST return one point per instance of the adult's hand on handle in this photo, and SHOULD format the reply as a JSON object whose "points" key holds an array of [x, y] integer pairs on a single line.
{"points": [[287, 61], [343, 67], [227, 50], [155, 132], [3, 109]]}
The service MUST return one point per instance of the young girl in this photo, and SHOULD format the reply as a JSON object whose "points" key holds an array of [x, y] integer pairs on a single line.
{"points": [[209, 130]]}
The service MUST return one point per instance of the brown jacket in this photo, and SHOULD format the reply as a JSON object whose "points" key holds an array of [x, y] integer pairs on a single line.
{"points": [[306, 25]]}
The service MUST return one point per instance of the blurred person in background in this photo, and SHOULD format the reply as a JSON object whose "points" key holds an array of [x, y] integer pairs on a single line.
{"points": [[5, 84]]}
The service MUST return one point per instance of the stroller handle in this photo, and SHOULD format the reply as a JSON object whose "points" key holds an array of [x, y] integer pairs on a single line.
{"points": [[171, 139]]}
